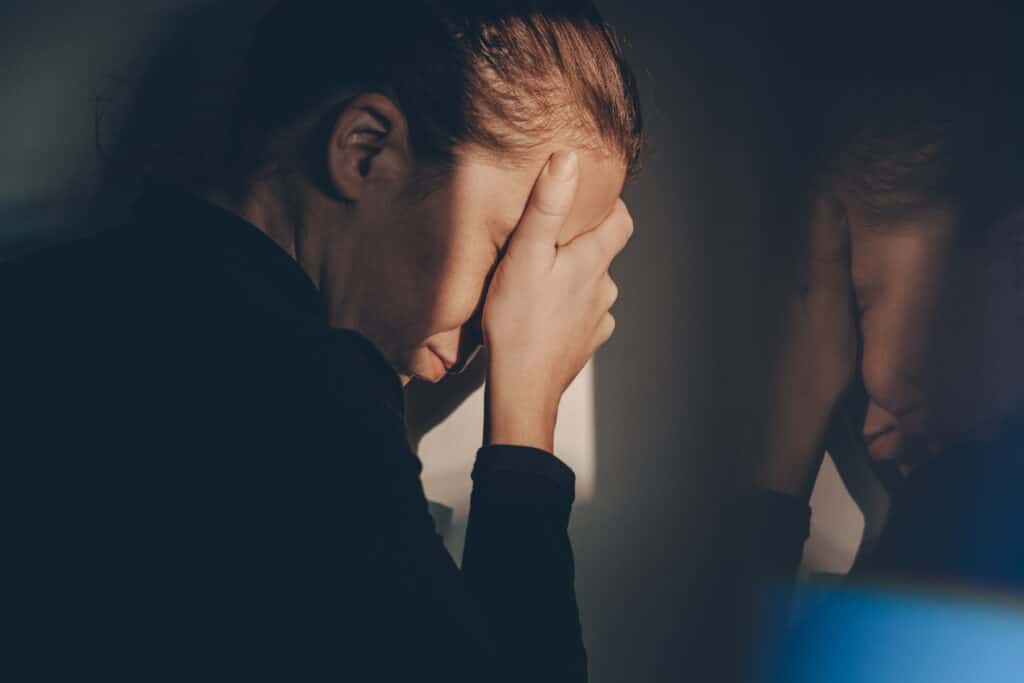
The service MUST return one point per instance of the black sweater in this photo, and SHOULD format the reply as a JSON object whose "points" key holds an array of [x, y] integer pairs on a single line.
{"points": [[956, 520], [209, 483], [954, 524]]}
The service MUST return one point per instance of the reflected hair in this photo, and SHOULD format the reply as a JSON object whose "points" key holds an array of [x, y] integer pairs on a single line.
{"points": [[936, 117]]}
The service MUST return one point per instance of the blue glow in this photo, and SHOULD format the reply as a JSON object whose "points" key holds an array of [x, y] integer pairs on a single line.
{"points": [[841, 636]]}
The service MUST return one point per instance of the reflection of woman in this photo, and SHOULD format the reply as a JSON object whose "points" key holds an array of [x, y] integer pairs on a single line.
{"points": [[237, 498], [911, 279], [915, 251]]}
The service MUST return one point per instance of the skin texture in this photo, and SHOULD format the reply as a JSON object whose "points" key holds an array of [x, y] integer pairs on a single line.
{"points": [[941, 326], [412, 274], [547, 309]]}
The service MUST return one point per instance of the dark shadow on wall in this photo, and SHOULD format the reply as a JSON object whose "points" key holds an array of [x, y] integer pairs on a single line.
{"points": [[679, 388], [643, 544], [174, 127], [162, 114]]}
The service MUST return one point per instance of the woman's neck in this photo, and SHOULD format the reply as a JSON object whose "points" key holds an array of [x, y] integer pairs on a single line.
{"points": [[280, 210]]}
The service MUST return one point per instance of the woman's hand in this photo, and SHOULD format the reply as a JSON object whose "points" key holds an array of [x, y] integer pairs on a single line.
{"points": [[817, 356], [546, 310]]}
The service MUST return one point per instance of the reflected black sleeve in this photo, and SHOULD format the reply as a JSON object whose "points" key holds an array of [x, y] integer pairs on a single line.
{"points": [[777, 525], [764, 534]]}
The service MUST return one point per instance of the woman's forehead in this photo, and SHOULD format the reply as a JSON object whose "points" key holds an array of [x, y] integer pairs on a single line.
{"points": [[503, 191]]}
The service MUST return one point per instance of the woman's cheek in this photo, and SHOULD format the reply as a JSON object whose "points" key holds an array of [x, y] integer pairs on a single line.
{"points": [[471, 292]]}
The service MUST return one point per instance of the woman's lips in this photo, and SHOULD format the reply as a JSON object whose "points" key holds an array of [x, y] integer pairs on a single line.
{"points": [[889, 425], [868, 438], [882, 444], [445, 362], [440, 366]]}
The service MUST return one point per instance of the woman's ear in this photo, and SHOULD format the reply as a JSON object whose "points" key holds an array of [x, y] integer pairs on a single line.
{"points": [[368, 146]]}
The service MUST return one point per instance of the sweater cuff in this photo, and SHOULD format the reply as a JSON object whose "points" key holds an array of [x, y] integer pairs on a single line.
{"points": [[524, 463], [785, 514]]}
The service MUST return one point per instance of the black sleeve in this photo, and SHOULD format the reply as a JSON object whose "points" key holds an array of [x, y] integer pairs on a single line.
{"points": [[403, 609], [764, 533], [953, 519], [518, 561], [772, 529]]}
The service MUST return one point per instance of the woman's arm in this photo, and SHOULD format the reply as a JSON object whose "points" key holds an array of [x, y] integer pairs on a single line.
{"points": [[510, 616]]}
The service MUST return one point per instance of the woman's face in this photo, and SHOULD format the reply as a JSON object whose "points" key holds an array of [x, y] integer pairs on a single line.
{"points": [[940, 328], [437, 254]]}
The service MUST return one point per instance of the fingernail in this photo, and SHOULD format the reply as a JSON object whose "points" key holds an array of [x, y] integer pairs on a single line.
{"points": [[562, 164]]}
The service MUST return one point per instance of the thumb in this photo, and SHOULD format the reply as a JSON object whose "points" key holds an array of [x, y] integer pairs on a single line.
{"points": [[548, 207]]}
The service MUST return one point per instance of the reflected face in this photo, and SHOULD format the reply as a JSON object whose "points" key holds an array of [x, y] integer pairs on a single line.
{"points": [[940, 330], [450, 244]]}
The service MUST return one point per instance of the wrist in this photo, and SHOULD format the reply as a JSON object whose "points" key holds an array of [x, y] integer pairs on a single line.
{"points": [[794, 449], [790, 477], [518, 418]]}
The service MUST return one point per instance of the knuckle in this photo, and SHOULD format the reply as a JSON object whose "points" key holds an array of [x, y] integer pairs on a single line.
{"points": [[551, 201], [619, 229], [613, 291], [623, 210], [548, 206], [628, 226]]}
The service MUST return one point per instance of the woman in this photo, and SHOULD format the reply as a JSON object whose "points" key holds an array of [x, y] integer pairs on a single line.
{"points": [[230, 492]]}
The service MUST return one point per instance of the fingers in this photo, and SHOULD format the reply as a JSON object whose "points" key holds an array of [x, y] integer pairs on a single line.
{"points": [[607, 294], [548, 207], [605, 329], [609, 291], [599, 246]]}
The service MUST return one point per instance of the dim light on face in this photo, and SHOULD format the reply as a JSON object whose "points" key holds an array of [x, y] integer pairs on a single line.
{"points": [[941, 329]]}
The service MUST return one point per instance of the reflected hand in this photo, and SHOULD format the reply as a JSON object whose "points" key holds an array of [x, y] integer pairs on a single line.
{"points": [[817, 357]]}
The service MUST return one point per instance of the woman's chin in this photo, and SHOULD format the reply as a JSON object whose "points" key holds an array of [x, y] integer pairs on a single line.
{"points": [[907, 450], [434, 379]]}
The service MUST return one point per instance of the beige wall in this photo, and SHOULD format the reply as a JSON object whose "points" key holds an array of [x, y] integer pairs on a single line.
{"points": [[448, 452], [837, 525]]}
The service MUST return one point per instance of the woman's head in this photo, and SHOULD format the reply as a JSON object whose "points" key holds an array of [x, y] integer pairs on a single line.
{"points": [[400, 141], [927, 156]]}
